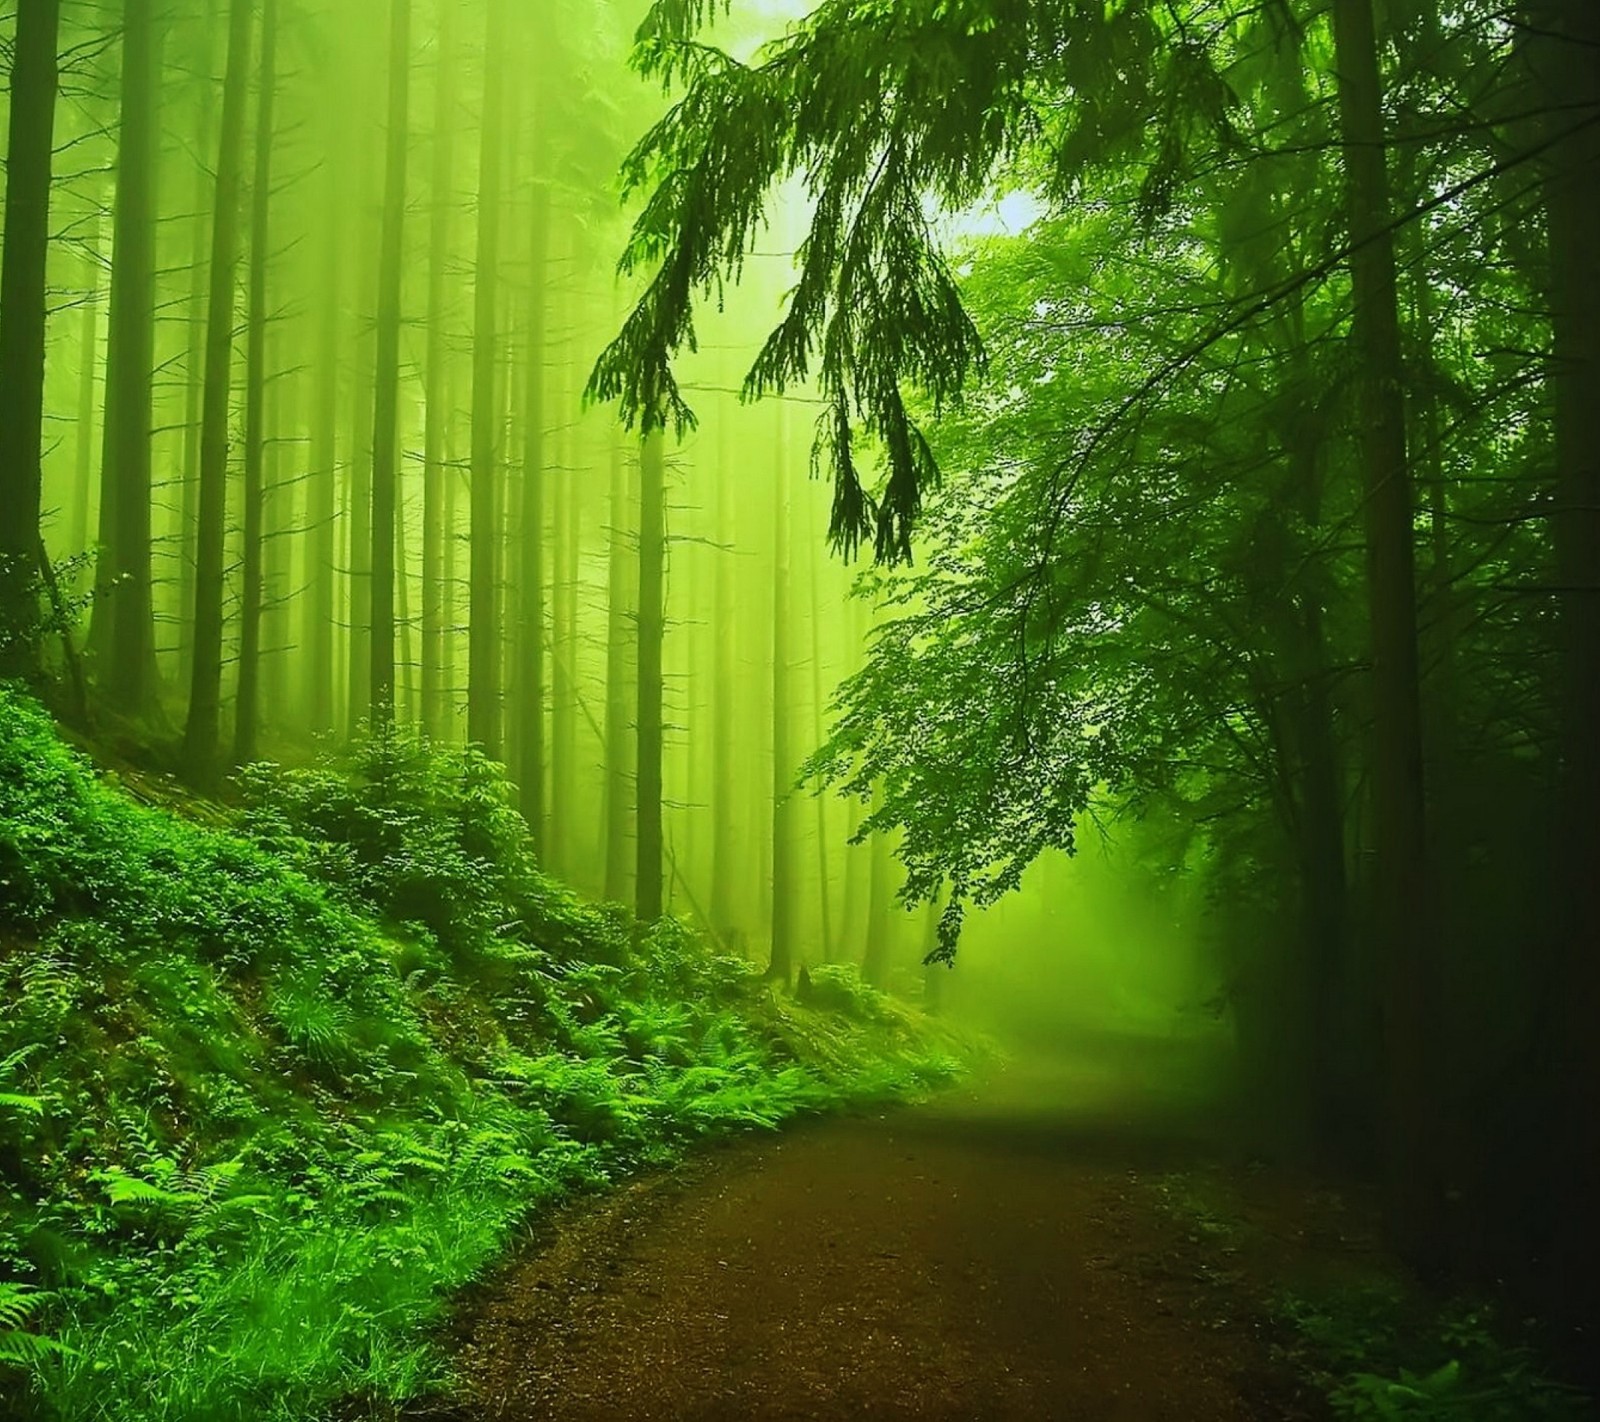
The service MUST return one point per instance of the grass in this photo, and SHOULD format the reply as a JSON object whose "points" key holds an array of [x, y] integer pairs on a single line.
{"points": [[270, 1094]]}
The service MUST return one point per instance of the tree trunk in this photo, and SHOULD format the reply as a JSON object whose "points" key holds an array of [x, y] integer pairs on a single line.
{"points": [[483, 631], [814, 543], [195, 358], [435, 628], [34, 78], [247, 706], [780, 964], [386, 395], [531, 577], [1564, 53], [322, 493], [1404, 926], [619, 611], [647, 720], [724, 723], [880, 903], [88, 387], [202, 733]]}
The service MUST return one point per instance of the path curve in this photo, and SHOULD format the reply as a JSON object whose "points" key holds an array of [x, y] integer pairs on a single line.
{"points": [[980, 1257]]}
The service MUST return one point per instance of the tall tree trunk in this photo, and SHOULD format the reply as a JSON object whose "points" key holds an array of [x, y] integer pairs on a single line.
{"points": [[814, 543], [195, 358], [322, 493], [562, 841], [124, 632], [88, 387], [483, 630], [619, 639], [34, 78], [202, 733], [386, 396], [647, 719], [724, 723], [780, 963], [530, 575], [435, 628], [1564, 55], [880, 903], [1404, 920], [247, 706]]}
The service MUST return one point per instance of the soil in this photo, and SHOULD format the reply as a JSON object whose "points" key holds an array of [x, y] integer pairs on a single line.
{"points": [[982, 1256]]}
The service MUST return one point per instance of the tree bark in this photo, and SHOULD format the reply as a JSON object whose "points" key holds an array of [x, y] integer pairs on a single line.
{"points": [[386, 393], [780, 963], [531, 573], [202, 732], [1564, 54], [34, 80], [247, 706], [483, 630], [619, 612], [647, 720], [435, 628], [1404, 927]]}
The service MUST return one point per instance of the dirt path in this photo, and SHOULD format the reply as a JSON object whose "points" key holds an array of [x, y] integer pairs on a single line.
{"points": [[979, 1257]]}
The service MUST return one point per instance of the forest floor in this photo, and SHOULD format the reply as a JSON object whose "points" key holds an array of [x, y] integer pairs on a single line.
{"points": [[1026, 1246]]}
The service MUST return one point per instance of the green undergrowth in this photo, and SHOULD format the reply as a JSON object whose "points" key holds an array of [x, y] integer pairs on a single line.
{"points": [[1378, 1346], [269, 1094]]}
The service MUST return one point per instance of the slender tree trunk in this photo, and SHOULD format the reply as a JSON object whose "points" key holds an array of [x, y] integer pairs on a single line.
{"points": [[875, 960], [386, 399], [531, 577], [619, 612], [202, 733], [724, 724], [435, 631], [34, 78], [819, 731], [322, 493], [483, 631], [88, 388], [1404, 920], [247, 707], [780, 964], [647, 720]]}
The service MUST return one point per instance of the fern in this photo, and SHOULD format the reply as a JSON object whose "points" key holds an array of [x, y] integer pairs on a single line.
{"points": [[20, 1348]]}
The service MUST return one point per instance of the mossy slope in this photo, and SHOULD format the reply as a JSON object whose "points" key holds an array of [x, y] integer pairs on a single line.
{"points": [[267, 1095]]}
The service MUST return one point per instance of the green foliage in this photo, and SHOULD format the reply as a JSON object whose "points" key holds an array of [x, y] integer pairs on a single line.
{"points": [[1380, 1358], [266, 1098]]}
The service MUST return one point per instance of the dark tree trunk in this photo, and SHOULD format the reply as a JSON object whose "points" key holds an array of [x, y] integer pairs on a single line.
{"points": [[202, 733], [386, 395], [1404, 925], [34, 78], [1564, 55], [247, 706], [647, 720]]}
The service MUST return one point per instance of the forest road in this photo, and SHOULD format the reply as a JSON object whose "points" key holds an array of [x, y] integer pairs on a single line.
{"points": [[993, 1254]]}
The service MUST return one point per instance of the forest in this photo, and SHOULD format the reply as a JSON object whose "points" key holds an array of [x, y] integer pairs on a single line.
{"points": [[764, 708]]}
